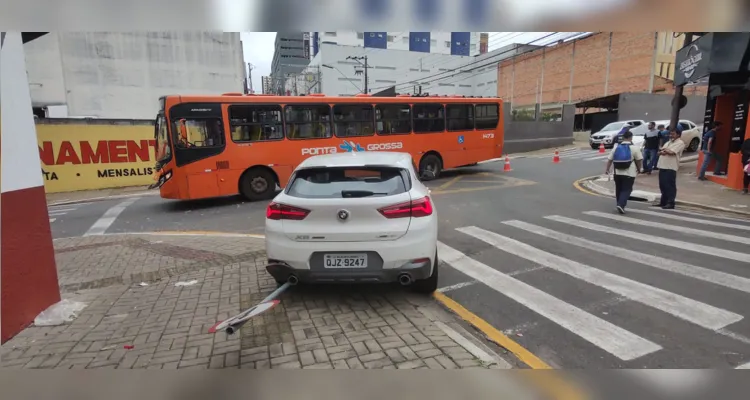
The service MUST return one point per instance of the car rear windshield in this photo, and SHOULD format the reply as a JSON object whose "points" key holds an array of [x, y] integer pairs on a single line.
{"points": [[348, 182]]}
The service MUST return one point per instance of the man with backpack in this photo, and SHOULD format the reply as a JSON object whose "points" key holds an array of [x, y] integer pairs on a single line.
{"points": [[627, 163]]}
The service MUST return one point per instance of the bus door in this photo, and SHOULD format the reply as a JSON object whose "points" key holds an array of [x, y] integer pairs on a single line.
{"points": [[198, 132]]}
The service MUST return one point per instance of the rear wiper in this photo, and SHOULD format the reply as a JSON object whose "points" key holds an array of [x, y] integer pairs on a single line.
{"points": [[359, 193]]}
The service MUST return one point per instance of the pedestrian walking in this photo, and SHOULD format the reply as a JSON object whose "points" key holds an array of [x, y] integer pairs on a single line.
{"points": [[708, 148], [745, 152], [669, 163], [650, 148], [627, 163]]}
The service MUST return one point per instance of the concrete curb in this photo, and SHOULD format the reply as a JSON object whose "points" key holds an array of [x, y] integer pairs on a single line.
{"points": [[641, 195], [103, 198]]}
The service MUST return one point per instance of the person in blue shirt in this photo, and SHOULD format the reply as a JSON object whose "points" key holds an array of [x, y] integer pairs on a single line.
{"points": [[708, 145]]}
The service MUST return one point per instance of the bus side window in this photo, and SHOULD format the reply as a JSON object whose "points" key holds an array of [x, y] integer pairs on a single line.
{"points": [[486, 116], [460, 117], [428, 118], [197, 133], [393, 119], [255, 123], [353, 120], [308, 121]]}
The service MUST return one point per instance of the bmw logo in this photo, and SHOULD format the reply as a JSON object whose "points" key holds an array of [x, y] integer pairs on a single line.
{"points": [[343, 215]]}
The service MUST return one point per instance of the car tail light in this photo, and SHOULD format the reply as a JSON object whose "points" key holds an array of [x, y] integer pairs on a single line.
{"points": [[415, 208], [282, 211]]}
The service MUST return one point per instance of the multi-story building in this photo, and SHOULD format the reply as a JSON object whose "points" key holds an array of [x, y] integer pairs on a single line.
{"points": [[333, 72], [123, 74], [291, 55], [451, 43], [266, 84]]}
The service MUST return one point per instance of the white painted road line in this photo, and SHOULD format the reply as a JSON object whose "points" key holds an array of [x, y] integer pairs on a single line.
{"points": [[744, 366], [701, 314], [602, 157], [61, 210], [607, 336], [673, 228], [662, 241], [109, 217], [456, 286], [692, 271], [696, 220], [699, 214], [51, 220]]}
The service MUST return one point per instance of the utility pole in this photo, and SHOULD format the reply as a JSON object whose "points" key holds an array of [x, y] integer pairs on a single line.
{"points": [[678, 90], [249, 85], [365, 66]]}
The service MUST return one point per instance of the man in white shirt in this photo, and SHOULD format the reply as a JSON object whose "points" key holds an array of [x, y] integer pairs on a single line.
{"points": [[625, 170], [669, 162]]}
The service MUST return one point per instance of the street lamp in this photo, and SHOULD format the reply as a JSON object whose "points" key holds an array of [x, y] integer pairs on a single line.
{"points": [[342, 74]]}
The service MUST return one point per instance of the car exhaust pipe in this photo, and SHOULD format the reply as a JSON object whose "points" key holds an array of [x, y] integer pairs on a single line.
{"points": [[293, 280], [404, 279], [230, 330]]}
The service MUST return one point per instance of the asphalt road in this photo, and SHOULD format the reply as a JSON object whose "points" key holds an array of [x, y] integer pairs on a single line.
{"points": [[527, 252]]}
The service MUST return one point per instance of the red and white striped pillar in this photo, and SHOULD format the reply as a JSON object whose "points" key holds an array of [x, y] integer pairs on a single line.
{"points": [[28, 274]]}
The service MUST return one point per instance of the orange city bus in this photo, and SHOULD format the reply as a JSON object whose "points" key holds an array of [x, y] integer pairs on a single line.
{"points": [[210, 146]]}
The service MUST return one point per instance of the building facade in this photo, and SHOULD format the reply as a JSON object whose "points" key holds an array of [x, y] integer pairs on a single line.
{"points": [[123, 74], [331, 72], [449, 43], [291, 55], [595, 66], [266, 84]]}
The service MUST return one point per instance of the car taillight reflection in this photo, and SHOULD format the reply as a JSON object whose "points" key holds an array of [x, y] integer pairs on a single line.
{"points": [[282, 211], [415, 208]]}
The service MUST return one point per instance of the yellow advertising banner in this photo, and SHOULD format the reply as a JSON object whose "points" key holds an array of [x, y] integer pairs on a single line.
{"points": [[95, 156]]}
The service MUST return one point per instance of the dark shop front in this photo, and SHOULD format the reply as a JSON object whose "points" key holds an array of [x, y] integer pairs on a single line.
{"points": [[722, 59]]}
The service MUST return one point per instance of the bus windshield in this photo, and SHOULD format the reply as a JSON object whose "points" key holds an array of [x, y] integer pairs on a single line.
{"points": [[163, 151]]}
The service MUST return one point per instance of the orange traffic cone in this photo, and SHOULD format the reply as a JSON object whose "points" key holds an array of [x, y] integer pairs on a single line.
{"points": [[556, 158], [601, 147], [506, 168]]}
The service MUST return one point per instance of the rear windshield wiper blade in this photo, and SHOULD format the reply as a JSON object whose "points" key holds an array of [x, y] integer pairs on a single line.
{"points": [[360, 193]]}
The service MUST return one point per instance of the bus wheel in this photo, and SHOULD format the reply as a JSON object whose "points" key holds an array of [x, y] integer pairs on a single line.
{"points": [[257, 184], [430, 167]]}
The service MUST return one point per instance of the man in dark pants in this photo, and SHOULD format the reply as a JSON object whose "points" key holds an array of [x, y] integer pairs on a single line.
{"points": [[624, 177], [669, 163]]}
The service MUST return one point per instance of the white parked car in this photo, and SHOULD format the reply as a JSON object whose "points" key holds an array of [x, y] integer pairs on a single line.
{"points": [[691, 134], [608, 134], [354, 217]]}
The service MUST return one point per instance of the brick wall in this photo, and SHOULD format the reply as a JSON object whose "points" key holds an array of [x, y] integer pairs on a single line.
{"points": [[630, 69]]}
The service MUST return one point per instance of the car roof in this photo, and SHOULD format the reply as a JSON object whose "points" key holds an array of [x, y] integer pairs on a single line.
{"points": [[358, 159]]}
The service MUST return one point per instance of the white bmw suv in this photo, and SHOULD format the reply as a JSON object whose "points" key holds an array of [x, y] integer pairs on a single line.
{"points": [[354, 217]]}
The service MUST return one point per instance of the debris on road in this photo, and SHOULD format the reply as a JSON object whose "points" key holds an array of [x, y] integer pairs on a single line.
{"points": [[59, 313], [190, 283]]}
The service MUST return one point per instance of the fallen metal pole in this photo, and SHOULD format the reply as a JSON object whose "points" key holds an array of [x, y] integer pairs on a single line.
{"points": [[241, 318]]}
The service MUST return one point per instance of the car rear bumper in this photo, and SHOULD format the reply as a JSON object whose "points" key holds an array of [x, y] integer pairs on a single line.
{"points": [[387, 260]]}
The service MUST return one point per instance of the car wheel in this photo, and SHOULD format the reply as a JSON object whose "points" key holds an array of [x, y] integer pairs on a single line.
{"points": [[693, 146], [430, 167], [429, 285], [257, 184]]}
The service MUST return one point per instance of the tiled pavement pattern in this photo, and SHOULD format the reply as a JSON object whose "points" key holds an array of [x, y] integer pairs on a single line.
{"points": [[313, 327]]}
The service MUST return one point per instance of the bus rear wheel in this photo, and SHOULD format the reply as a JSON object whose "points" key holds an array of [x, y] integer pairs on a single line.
{"points": [[430, 167], [257, 184]]}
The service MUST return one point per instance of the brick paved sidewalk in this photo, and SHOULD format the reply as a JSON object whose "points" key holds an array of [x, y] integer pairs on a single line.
{"points": [[313, 327], [690, 190]]}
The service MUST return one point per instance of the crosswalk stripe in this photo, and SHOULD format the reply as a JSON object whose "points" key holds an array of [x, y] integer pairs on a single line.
{"points": [[701, 314], [583, 154], [693, 271], [698, 214], [679, 244], [59, 209], [597, 158], [57, 213], [51, 220], [744, 366], [607, 336], [673, 228], [688, 219]]}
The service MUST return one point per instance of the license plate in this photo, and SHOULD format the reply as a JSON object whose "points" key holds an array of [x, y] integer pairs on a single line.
{"points": [[345, 261]]}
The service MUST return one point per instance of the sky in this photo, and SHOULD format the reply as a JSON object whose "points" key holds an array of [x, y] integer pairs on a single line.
{"points": [[258, 48]]}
